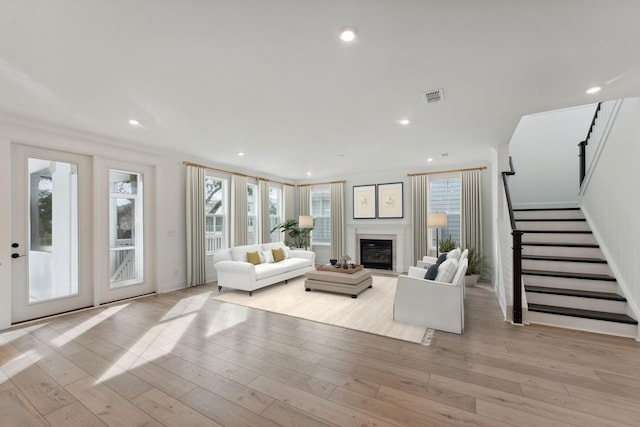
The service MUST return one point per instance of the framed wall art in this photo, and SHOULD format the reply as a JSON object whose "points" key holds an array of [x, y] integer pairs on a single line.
{"points": [[390, 200], [364, 201]]}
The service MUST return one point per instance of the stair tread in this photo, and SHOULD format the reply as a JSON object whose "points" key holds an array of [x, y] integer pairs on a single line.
{"points": [[586, 276], [576, 293], [568, 245], [551, 219], [545, 209], [564, 258], [558, 231], [588, 314]]}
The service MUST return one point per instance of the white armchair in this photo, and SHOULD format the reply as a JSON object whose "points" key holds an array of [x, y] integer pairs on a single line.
{"points": [[432, 304]]}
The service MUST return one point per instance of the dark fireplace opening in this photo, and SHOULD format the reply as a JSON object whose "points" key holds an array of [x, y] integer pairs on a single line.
{"points": [[376, 253]]}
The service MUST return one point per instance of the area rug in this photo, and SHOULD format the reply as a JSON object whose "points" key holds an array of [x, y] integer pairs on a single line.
{"points": [[371, 312]]}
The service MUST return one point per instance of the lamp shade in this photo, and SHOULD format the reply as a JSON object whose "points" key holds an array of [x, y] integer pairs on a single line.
{"points": [[305, 221], [437, 220]]}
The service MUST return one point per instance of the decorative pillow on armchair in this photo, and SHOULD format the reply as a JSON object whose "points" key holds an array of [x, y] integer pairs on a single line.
{"points": [[432, 272], [447, 270], [442, 258]]}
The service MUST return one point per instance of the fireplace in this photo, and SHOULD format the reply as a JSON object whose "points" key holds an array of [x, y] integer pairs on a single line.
{"points": [[376, 253]]}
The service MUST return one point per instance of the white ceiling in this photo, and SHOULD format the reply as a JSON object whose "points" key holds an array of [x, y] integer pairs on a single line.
{"points": [[210, 78]]}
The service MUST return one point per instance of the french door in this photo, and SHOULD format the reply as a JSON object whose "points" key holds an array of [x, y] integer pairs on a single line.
{"points": [[51, 233]]}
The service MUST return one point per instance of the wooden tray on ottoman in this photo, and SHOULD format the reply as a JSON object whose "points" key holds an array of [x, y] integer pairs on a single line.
{"points": [[329, 267]]}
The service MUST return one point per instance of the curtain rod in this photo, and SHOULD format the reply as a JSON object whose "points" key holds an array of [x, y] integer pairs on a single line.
{"points": [[321, 183], [235, 173], [452, 170]]}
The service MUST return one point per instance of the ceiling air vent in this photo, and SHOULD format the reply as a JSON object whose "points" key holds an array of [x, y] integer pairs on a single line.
{"points": [[433, 96]]}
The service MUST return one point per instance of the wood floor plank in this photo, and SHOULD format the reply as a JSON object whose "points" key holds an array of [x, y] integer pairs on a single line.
{"points": [[170, 411], [44, 393], [16, 411], [108, 405], [74, 415], [286, 415], [307, 402]]}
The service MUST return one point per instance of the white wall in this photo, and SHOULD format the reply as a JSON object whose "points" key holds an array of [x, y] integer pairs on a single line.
{"points": [[544, 148], [611, 203], [5, 234]]}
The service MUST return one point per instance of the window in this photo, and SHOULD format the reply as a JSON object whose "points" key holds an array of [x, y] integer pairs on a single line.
{"points": [[321, 212], [445, 197], [275, 212], [252, 214], [215, 214], [125, 228]]}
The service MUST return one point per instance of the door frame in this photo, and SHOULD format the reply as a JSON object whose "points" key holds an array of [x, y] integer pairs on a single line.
{"points": [[21, 309]]}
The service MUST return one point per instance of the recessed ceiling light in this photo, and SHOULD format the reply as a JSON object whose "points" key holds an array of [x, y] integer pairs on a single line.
{"points": [[309, 173], [241, 154], [348, 34], [134, 122], [429, 159], [594, 89], [404, 122]]}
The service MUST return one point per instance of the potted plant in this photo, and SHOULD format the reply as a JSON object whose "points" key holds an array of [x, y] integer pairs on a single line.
{"points": [[296, 236], [477, 265], [447, 245]]}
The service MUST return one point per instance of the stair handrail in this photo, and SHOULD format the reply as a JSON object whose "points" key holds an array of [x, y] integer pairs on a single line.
{"points": [[582, 156], [517, 250]]}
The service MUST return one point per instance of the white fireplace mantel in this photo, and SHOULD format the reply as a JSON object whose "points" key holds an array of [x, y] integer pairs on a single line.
{"points": [[396, 233]]}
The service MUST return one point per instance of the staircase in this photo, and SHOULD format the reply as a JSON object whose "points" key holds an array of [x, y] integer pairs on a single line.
{"points": [[567, 281]]}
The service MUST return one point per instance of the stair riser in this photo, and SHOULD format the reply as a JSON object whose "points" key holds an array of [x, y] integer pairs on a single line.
{"points": [[572, 214], [577, 302], [562, 251], [590, 325], [568, 283], [566, 267], [552, 225], [558, 238]]}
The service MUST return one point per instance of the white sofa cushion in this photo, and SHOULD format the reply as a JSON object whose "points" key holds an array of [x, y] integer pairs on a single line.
{"points": [[267, 270], [447, 270], [455, 254], [222, 255], [295, 263]]}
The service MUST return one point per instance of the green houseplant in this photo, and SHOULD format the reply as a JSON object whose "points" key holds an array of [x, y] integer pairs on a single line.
{"points": [[477, 266], [447, 244], [295, 236]]}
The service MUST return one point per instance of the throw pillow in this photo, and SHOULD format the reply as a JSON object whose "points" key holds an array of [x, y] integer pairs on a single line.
{"points": [[253, 258], [287, 252], [447, 270], [278, 255], [432, 272], [454, 254], [268, 256], [441, 259]]}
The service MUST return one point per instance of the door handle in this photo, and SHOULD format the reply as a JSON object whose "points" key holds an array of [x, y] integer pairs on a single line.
{"points": [[17, 255]]}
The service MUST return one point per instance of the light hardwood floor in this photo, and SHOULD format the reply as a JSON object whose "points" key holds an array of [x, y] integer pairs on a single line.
{"points": [[184, 359]]}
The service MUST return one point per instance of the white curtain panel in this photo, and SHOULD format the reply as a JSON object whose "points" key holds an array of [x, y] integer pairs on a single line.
{"points": [[239, 225], [289, 202], [471, 210], [337, 220], [420, 204], [305, 200], [265, 223], [196, 250]]}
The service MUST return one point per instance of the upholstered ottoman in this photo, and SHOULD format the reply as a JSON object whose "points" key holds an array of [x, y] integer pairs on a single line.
{"points": [[343, 283]]}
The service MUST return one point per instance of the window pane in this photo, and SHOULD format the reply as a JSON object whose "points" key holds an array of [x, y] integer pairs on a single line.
{"points": [[252, 196], [275, 212], [126, 226], [445, 197], [215, 213], [321, 212]]}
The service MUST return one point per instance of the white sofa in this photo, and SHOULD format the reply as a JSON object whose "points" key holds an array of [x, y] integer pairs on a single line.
{"points": [[429, 303], [234, 271]]}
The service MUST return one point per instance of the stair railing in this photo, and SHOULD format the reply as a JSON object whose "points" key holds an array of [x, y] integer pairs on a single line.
{"points": [[582, 156], [517, 250]]}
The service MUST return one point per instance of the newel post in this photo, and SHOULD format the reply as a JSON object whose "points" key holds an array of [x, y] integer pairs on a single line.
{"points": [[582, 159], [517, 277]]}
